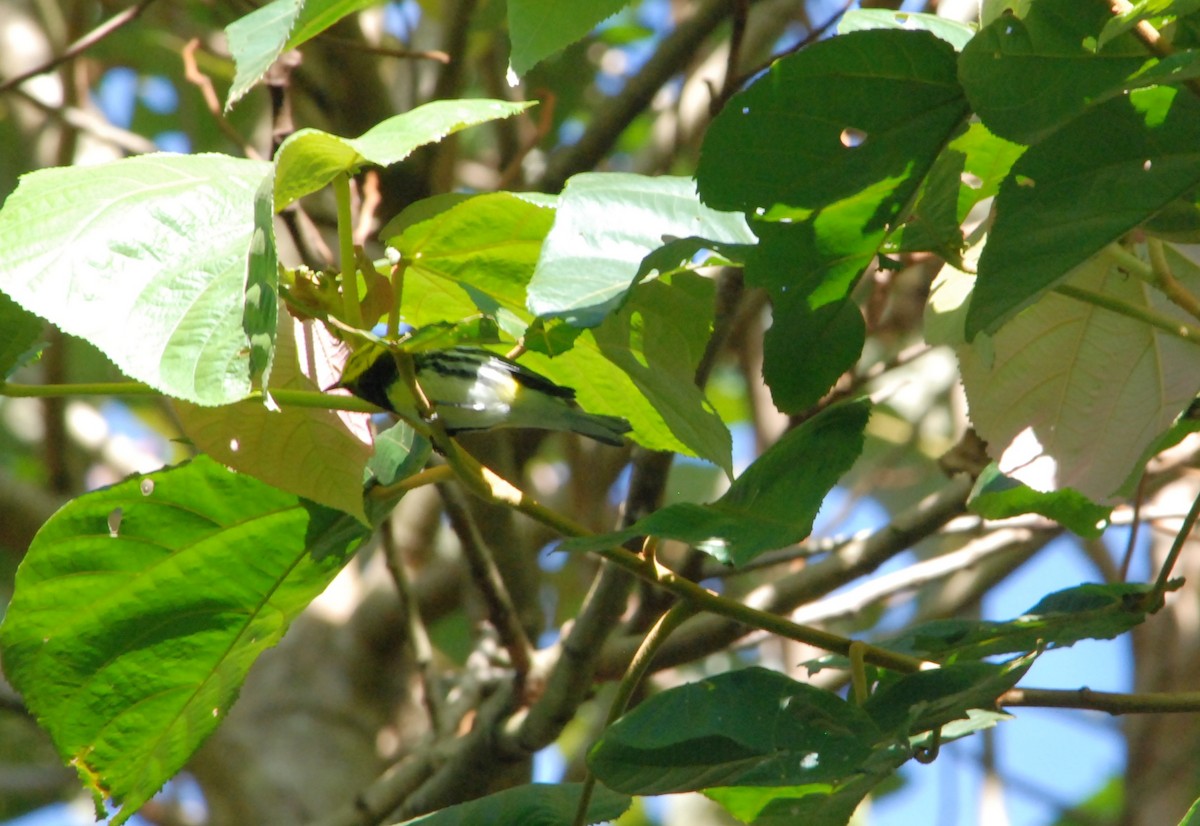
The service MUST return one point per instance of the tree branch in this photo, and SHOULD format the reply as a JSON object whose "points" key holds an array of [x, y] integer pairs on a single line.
{"points": [[1186, 702], [81, 45], [611, 118]]}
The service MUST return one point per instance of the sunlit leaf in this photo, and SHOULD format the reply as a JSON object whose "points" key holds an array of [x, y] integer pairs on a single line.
{"points": [[539, 28], [772, 504], [139, 608], [147, 258], [309, 159]]}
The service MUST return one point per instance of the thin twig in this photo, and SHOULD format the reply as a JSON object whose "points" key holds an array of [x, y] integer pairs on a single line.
{"points": [[1181, 537], [502, 612], [192, 73], [609, 120], [810, 38], [1187, 702], [358, 47], [414, 628], [91, 123], [81, 45], [371, 198], [741, 10], [1152, 40]]}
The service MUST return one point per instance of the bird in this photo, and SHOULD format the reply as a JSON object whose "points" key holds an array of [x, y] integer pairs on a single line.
{"points": [[471, 388]]}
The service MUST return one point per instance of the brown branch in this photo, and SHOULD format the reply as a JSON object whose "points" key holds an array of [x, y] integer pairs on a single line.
{"points": [[1187, 702], [192, 73], [611, 118], [502, 612], [81, 45], [807, 40]]}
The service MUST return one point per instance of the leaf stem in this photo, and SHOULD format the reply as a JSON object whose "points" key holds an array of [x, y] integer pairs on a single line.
{"points": [[1165, 280], [1179, 329], [1185, 530], [293, 398], [345, 228]]}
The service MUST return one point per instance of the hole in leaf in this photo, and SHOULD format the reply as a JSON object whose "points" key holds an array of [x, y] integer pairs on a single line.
{"points": [[1026, 181], [970, 179], [852, 138], [1147, 164], [233, 445], [114, 522], [147, 487]]}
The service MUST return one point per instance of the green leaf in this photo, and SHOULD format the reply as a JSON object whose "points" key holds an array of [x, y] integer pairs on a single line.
{"points": [[1126, 20], [258, 39], [1027, 77], [1069, 394], [829, 176], [772, 504], [22, 331], [605, 225], [997, 496], [1086, 185], [539, 28], [315, 453], [1087, 611], [139, 609], [832, 121], [1192, 818], [919, 702], [747, 727], [657, 340], [535, 804], [147, 259], [260, 316], [309, 159], [836, 331], [953, 32], [476, 256]]}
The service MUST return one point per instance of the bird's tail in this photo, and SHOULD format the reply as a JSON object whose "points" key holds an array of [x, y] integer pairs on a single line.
{"points": [[610, 430]]}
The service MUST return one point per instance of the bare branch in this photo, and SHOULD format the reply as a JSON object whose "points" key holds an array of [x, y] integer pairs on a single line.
{"points": [[81, 45]]}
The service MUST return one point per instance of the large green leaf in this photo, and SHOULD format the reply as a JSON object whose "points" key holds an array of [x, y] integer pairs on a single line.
{"points": [[1061, 619], [476, 256], [827, 150], [914, 703], [311, 452], [147, 258], [832, 121], [605, 225], [1027, 77], [539, 28], [535, 804], [836, 331], [309, 159], [1070, 394], [772, 504], [996, 496], [1087, 184], [139, 609], [640, 363], [259, 38], [748, 727]]}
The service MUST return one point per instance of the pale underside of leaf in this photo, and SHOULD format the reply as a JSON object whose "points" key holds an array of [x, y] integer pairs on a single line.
{"points": [[1069, 394]]}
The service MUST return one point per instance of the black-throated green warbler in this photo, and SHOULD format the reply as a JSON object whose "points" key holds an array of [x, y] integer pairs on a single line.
{"points": [[473, 389]]}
